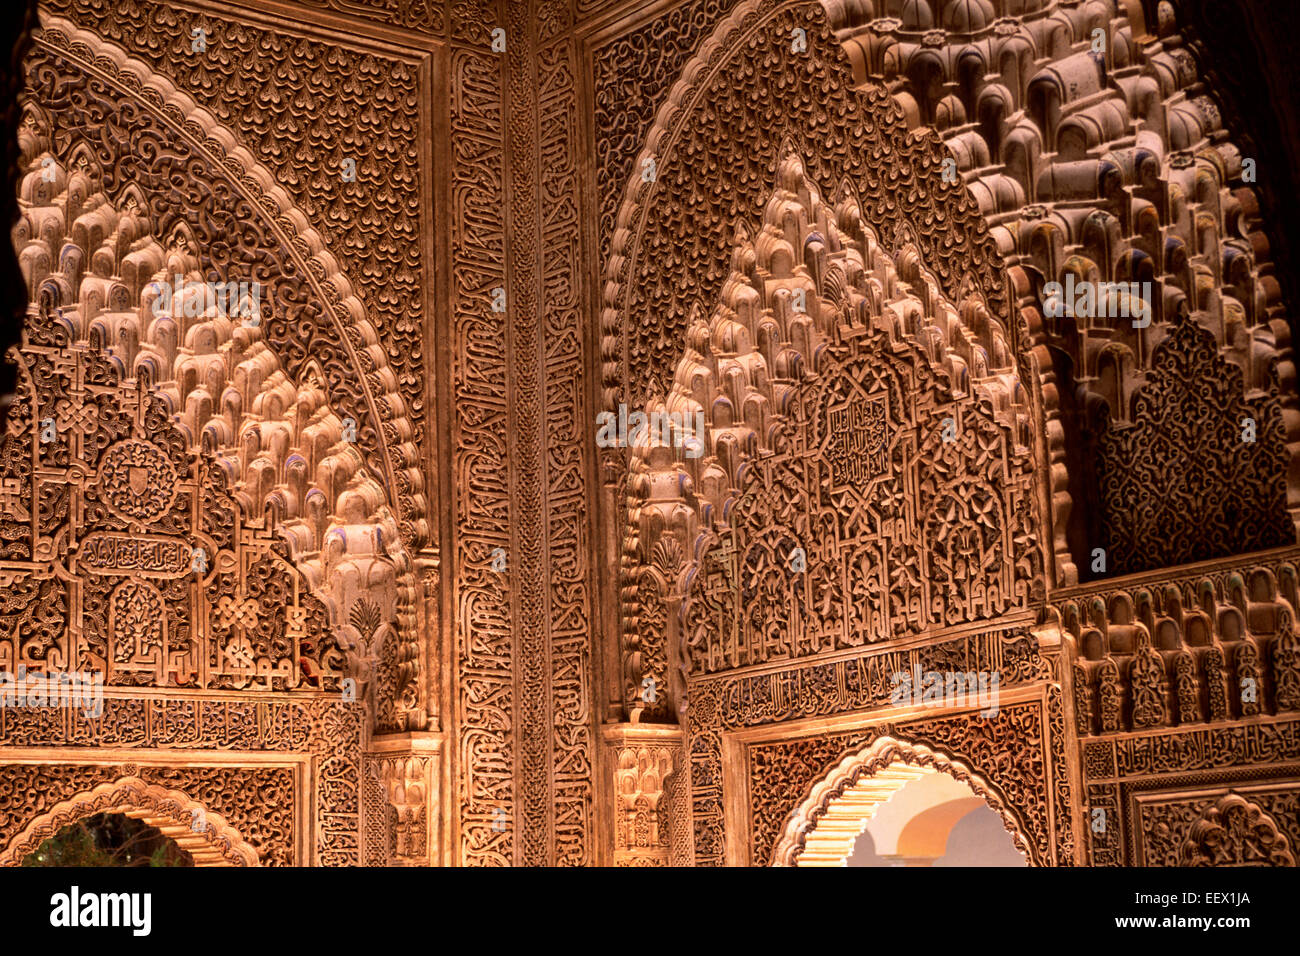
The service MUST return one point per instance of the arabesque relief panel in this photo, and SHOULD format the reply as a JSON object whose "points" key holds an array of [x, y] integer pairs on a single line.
{"points": [[210, 481], [374, 526]]}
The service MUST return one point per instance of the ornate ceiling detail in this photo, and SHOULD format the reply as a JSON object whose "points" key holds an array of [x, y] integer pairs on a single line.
{"points": [[1096, 156], [863, 472], [708, 160], [126, 294]]}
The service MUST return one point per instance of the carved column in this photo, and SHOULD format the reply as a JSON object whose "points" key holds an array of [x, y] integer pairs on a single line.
{"points": [[409, 769], [1059, 650], [642, 758]]}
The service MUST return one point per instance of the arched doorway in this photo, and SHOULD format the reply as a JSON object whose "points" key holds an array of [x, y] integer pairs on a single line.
{"points": [[109, 840], [204, 835], [935, 820], [918, 798]]}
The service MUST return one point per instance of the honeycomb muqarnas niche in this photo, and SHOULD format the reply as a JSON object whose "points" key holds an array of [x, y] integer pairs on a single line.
{"points": [[963, 530]]}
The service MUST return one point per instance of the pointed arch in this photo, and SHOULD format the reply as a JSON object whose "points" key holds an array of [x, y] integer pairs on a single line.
{"points": [[845, 794], [205, 835], [309, 447], [833, 371]]}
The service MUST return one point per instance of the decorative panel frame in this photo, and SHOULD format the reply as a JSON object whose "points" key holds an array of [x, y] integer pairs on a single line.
{"points": [[204, 741], [756, 750], [1132, 774]]}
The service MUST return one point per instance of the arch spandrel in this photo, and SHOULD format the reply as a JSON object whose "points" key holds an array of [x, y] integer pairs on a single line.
{"points": [[206, 835]]}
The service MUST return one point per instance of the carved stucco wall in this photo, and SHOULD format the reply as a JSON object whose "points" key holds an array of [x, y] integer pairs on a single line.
{"points": [[1099, 165], [475, 424], [302, 91], [279, 447], [525, 727]]}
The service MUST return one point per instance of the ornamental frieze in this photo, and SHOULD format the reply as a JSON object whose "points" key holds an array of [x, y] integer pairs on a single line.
{"points": [[866, 680], [141, 555]]}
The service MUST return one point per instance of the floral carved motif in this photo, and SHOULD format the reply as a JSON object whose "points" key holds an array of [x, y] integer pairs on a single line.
{"points": [[1179, 484], [1235, 832], [177, 406], [633, 74], [864, 469], [1233, 829]]}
